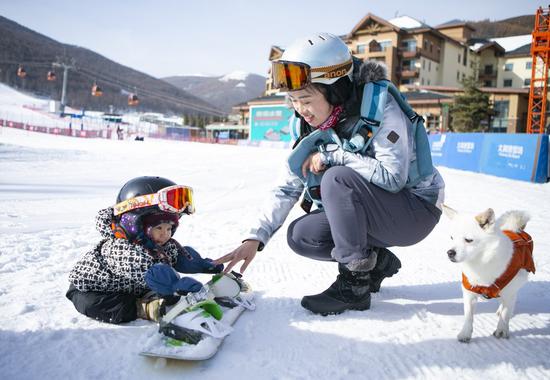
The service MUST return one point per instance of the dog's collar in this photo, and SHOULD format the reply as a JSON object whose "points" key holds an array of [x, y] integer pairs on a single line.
{"points": [[522, 258]]}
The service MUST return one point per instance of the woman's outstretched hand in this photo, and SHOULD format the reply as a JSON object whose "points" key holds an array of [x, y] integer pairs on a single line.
{"points": [[245, 252]]}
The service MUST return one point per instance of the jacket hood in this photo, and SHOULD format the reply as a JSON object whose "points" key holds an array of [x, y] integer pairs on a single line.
{"points": [[368, 71]]}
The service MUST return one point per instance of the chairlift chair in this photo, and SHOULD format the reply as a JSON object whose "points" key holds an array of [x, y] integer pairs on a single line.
{"points": [[96, 90], [133, 100], [21, 73]]}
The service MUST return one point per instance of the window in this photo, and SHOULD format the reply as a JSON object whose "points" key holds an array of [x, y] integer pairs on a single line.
{"points": [[409, 64], [527, 82], [429, 82], [528, 65], [508, 67], [423, 63], [406, 81], [488, 69], [409, 45], [488, 83], [458, 75], [459, 58], [507, 83], [429, 65], [361, 48], [422, 82], [499, 123], [385, 45], [426, 44]]}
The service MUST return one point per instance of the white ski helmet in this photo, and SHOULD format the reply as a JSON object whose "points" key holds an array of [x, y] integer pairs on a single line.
{"points": [[320, 58]]}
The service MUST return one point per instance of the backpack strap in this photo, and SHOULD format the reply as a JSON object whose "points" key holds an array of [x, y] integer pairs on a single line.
{"points": [[373, 102], [375, 96], [423, 166], [294, 124]]}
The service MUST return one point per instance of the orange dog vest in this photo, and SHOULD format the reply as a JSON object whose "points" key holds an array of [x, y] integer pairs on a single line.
{"points": [[522, 258]]}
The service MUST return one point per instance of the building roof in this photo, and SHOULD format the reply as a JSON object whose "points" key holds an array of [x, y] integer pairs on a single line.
{"points": [[522, 51], [454, 23], [407, 22], [513, 42], [450, 89], [379, 20], [269, 99], [480, 46], [424, 95]]}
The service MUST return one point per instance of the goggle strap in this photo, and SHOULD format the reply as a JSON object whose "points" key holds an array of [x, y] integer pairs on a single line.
{"points": [[332, 67], [135, 203]]}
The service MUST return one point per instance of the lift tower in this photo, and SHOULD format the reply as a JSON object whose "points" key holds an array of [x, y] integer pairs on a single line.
{"points": [[540, 52]]}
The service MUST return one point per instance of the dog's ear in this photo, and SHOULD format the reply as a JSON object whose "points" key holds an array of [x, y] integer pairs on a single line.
{"points": [[449, 212], [486, 219]]}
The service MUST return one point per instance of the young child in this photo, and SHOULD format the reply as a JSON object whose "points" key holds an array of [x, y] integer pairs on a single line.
{"points": [[132, 270]]}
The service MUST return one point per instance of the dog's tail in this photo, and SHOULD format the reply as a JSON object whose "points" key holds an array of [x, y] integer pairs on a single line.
{"points": [[514, 220]]}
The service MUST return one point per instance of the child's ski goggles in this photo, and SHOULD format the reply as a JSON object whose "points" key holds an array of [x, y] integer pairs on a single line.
{"points": [[290, 76], [176, 199]]}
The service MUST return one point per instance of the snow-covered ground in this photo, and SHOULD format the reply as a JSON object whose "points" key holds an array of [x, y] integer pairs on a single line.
{"points": [[51, 188]]}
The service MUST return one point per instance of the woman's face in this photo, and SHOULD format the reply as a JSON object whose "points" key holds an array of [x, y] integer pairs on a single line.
{"points": [[311, 104]]}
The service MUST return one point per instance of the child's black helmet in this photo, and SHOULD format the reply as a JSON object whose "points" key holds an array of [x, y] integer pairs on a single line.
{"points": [[130, 224], [142, 186]]}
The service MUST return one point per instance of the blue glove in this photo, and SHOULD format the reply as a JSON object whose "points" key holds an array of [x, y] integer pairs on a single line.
{"points": [[162, 279], [190, 261]]}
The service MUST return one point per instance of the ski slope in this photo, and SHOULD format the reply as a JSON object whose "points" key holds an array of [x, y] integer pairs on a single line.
{"points": [[52, 186]]}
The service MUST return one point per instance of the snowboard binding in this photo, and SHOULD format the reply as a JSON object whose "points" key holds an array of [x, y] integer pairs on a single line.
{"points": [[199, 315]]}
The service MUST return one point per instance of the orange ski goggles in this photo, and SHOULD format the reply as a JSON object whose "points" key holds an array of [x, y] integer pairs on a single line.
{"points": [[176, 199], [290, 76]]}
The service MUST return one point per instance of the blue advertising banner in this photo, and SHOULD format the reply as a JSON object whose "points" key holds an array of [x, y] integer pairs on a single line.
{"points": [[437, 147], [269, 123], [464, 150], [517, 156]]}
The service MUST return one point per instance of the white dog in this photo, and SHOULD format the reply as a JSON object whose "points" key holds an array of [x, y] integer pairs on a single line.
{"points": [[495, 257]]}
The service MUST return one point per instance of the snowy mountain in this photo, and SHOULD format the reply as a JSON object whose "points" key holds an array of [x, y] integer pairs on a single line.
{"points": [[36, 52], [221, 91]]}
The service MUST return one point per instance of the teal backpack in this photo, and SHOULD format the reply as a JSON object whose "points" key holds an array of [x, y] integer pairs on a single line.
{"points": [[373, 103]]}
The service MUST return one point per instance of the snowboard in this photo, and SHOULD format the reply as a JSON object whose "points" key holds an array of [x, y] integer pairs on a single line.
{"points": [[232, 299]]}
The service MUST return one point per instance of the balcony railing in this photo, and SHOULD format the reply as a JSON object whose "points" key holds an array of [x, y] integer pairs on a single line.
{"points": [[408, 53], [409, 72], [484, 75]]}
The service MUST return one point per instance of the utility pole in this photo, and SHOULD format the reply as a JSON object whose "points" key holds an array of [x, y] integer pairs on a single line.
{"points": [[66, 67]]}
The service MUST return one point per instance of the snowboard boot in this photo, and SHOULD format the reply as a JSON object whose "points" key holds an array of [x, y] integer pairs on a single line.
{"points": [[350, 291], [149, 307], [387, 264]]}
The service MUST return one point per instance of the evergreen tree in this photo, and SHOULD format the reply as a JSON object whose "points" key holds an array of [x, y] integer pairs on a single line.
{"points": [[471, 110]]}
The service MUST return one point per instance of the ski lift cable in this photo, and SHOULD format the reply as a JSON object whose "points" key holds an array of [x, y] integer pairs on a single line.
{"points": [[106, 79], [113, 81]]}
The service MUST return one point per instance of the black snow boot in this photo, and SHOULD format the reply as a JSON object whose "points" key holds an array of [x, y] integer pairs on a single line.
{"points": [[350, 291], [387, 264]]}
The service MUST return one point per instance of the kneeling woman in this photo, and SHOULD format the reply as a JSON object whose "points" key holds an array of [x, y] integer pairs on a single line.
{"points": [[366, 202]]}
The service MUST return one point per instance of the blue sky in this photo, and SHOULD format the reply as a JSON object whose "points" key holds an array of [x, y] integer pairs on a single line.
{"points": [[216, 37]]}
